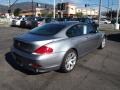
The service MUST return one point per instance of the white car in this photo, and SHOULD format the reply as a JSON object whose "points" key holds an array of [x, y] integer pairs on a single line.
{"points": [[17, 21], [105, 21]]}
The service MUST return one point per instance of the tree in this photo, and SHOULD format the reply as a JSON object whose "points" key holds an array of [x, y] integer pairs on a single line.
{"points": [[80, 14], [113, 13], [46, 14], [43, 14], [50, 15], [17, 11]]}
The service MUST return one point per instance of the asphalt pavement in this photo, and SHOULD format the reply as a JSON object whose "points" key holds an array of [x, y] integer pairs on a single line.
{"points": [[99, 70]]}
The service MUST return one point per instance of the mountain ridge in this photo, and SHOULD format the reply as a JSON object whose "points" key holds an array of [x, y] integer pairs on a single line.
{"points": [[22, 6]]}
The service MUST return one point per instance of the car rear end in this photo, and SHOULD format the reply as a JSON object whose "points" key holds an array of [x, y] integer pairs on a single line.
{"points": [[37, 53], [36, 58], [16, 22], [30, 22], [40, 22], [13, 23]]}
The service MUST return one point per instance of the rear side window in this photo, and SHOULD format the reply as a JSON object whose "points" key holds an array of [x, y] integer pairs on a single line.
{"points": [[48, 29], [76, 30], [91, 29]]}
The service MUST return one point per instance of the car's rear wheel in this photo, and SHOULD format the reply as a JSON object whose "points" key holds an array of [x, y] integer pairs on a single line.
{"points": [[69, 61], [103, 43]]}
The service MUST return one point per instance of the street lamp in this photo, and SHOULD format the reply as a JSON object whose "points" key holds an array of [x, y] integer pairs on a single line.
{"points": [[111, 10], [9, 10], [100, 4], [117, 18], [54, 9], [8, 3]]}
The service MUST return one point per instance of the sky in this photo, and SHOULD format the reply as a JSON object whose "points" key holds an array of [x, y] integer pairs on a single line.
{"points": [[79, 3]]}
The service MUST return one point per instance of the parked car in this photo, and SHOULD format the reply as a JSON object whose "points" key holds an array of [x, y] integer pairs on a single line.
{"points": [[114, 21], [86, 20], [95, 20], [29, 22], [32, 22], [42, 21], [104, 21], [56, 46], [62, 19], [17, 21], [83, 19]]}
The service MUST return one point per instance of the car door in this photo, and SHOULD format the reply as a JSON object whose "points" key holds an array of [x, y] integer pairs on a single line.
{"points": [[78, 39], [93, 37]]}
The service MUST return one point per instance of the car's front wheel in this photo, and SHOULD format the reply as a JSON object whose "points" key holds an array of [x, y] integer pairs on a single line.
{"points": [[69, 61]]}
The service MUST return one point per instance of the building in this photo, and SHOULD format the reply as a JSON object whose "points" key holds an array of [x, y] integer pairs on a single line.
{"points": [[88, 11], [38, 10], [42, 9], [67, 10], [71, 9]]}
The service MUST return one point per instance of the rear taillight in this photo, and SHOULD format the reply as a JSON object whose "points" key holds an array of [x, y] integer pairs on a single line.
{"points": [[40, 23], [43, 50]]}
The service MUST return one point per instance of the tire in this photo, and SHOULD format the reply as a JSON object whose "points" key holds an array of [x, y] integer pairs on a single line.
{"points": [[69, 61], [105, 23], [103, 43]]}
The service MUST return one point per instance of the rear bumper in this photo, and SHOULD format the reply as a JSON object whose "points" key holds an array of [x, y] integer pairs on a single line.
{"points": [[46, 62]]}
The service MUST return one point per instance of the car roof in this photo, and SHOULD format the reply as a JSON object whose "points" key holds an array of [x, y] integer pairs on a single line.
{"points": [[69, 23]]}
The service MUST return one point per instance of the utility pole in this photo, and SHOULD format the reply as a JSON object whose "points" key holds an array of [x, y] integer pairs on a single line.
{"points": [[32, 9], [108, 6], [54, 9], [100, 5], [117, 17], [9, 9], [8, 3], [111, 10], [10, 6], [61, 10]]}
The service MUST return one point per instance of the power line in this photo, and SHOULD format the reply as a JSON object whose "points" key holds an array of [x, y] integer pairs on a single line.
{"points": [[13, 3]]}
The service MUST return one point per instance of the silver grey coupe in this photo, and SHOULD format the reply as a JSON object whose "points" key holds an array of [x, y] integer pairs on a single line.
{"points": [[56, 46]]}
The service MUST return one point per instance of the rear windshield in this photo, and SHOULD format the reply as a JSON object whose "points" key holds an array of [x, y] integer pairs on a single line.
{"points": [[30, 18], [47, 29], [40, 19]]}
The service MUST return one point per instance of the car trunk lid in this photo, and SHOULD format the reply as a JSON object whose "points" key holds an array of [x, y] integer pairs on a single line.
{"points": [[29, 42]]}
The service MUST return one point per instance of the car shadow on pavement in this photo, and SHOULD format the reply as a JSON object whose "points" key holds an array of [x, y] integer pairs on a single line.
{"points": [[114, 37], [11, 61]]}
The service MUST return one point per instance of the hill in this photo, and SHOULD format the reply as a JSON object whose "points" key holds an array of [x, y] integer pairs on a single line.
{"points": [[3, 9], [24, 6]]}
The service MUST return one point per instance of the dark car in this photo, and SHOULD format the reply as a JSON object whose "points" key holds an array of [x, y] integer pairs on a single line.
{"points": [[42, 21], [114, 21], [29, 22], [83, 19]]}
